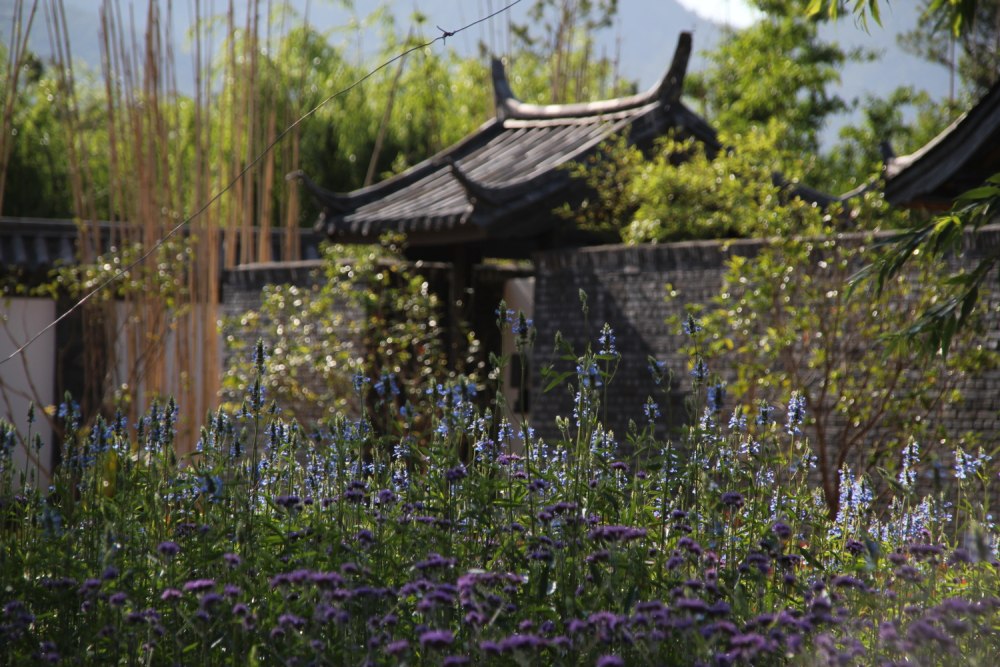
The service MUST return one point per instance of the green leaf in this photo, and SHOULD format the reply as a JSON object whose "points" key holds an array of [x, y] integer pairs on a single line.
{"points": [[983, 192]]}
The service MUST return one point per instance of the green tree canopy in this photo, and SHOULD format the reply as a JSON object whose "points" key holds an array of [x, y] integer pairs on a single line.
{"points": [[777, 69]]}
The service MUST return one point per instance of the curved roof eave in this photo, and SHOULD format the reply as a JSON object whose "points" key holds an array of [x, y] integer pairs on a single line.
{"points": [[667, 91], [909, 177]]}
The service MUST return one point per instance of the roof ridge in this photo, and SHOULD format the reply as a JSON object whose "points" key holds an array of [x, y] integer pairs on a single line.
{"points": [[667, 92]]}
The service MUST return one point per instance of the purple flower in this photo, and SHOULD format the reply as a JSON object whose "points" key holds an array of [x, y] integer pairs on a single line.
{"points": [[796, 413], [289, 620], [960, 555], [897, 558], [170, 594], [732, 499], [700, 370], [926, 551], [288, 502], [89, 586], [209, 600], [695, 605], [616, 533], [117, 599], [748, 645], [232, 560], [326, 580], [489, 647], [716, 395], [855, 547], [781, 530], [436, 639], [397, 647], [435, 561], [525, 642], [690, 545], [922, 631], [847, 581], [199, 585], [168, 549], [610, 661]]}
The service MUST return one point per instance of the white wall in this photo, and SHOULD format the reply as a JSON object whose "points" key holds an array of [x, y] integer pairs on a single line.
{"points": [[29, 377], [519, 294]]}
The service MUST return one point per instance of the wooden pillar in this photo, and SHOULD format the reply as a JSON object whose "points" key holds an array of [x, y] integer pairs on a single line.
{"points": [[460, 294]]}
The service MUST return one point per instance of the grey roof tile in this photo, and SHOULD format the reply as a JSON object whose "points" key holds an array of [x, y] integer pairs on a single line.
{"points": [[487, 185]]}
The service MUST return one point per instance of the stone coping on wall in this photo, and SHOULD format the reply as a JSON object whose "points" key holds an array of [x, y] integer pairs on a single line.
{"points": [[714, 252]]}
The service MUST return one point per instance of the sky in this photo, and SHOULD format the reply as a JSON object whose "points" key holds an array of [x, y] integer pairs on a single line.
{"points": [[734, 13]]}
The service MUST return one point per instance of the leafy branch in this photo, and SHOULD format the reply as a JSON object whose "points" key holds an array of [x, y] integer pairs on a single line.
{"points": [[937, 325]]}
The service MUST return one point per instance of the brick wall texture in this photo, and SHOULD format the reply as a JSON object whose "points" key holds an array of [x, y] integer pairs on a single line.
{"points": [[627, 287]]}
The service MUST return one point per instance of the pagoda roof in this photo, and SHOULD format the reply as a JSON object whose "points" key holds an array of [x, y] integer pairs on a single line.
{"points": [[955, 161], [501, 182]]}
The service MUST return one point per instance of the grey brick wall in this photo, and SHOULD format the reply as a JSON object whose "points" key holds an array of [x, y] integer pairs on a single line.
{"points": [[626, 286]]}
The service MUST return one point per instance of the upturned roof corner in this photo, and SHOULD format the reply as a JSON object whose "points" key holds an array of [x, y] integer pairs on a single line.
{"points": [[497, 187], [671, 86]]}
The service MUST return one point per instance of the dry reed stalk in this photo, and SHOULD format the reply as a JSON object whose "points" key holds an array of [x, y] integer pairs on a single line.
{"points": [[156, 335], [203, 284], [386, 117], [96, 318], [20, 30], [292, 245]]}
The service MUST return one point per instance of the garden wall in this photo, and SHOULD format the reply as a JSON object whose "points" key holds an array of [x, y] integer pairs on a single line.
{"points": [[627, 287]]}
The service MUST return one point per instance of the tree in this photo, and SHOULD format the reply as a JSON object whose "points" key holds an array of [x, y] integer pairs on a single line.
{"points": [[778, 69], [782, 323], [957, 14], [560, 62], [959, 291], [366, 337], [859, 155], [978, 61], [682, 193]]}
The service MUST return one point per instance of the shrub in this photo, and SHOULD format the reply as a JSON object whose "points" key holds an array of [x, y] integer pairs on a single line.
{"points": [[367, 336]]}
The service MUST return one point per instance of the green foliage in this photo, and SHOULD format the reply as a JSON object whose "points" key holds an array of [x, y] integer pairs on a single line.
{"points": [[367, 337], [857, 157], [956, 14], [978, 59], [611, 201], [777, 69], [683, 193], [559, 65], [959, 292], [38, 175], [786, 322]]}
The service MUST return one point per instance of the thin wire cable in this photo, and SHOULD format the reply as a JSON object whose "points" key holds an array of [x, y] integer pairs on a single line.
{"points": [[445, 34]]}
